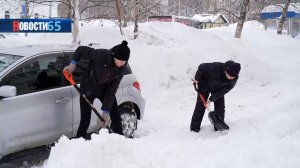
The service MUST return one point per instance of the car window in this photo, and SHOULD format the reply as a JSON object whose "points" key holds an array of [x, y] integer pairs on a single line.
{"points": [[7, 59], [37, 74]]}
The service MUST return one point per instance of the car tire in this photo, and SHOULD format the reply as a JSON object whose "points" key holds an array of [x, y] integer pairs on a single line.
{"points": [[129, 121]]}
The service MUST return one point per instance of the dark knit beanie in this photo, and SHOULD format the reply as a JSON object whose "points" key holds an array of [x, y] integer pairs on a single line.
{"points": [[121, 51], [232, 68]]}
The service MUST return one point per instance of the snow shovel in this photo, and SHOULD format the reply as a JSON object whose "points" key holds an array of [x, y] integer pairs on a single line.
{"points": [[212, 115], [70, 79]]}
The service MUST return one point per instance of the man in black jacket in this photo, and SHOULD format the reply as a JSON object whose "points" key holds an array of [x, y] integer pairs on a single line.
{"points": [[216, 79], [104, 73]]}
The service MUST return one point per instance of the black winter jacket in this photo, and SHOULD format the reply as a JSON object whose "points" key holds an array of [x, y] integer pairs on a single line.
{"points": [[102, 77], [212, 79]]}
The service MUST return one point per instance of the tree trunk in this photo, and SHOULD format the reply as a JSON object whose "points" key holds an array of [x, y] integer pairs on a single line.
{"points": [[119, 15], [136, 17], [124, 4], [75, 21], [242, 18], [283, 16], [27, 13]]}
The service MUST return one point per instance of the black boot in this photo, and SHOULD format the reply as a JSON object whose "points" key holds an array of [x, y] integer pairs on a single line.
{"points": [[216, 129], [195, 130]]}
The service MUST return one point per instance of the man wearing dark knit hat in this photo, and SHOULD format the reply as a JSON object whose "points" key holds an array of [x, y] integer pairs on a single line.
{"points": [[214, 79], [101, 80]]}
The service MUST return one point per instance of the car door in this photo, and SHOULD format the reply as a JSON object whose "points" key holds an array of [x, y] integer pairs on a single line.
{"points": [[42, 109]]}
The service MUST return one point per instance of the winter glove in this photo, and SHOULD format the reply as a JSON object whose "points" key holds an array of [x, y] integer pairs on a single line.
{"points": [[70, 68], [106, 118], [208, 103], [195, 82]]}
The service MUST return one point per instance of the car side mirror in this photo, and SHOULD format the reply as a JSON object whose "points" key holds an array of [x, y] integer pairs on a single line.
{"points": [[7, 91]]}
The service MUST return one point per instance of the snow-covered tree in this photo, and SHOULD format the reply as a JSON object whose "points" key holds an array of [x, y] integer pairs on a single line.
{"points": [[136, 17], [283, 16], [75, 21]]}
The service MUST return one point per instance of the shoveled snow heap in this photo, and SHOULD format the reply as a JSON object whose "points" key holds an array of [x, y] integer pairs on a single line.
{"points": [[262, 110]]}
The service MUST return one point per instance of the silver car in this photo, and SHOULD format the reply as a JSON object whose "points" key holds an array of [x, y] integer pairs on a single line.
{"points": [[37, 105]]}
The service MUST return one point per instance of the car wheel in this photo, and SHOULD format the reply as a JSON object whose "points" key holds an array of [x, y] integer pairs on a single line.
{"points": [[129, 121]]}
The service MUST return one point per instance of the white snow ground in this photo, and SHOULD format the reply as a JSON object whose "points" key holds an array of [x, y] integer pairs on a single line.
{"points": [[262, 110]]}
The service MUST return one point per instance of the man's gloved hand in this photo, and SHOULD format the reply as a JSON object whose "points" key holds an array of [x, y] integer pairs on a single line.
{"points": [[208, 103], [70, 68], [195, 82], [106, 118]]}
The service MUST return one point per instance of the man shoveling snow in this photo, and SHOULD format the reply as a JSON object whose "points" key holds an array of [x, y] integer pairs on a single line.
{"points": [[216, 79], [101, 80]]}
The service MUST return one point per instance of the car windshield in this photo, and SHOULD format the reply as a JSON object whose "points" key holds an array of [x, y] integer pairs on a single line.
{"points": [[7, 59]]}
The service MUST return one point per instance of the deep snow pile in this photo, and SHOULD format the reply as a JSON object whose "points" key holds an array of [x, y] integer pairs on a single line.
{"points": [[262, 110]]}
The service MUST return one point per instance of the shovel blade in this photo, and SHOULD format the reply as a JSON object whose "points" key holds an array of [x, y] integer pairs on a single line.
{"points": [[217, 122]]}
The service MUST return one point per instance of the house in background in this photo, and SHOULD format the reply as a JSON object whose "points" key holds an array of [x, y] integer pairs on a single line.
{"points": [[43, 10], [89, 9], [271, 15], [200, 21], [36, 10], [186, 20], [160, 18], [63, 10], [180, 19], [210, 21]]}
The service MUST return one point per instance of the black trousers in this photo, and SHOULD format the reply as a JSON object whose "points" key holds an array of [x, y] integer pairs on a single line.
{"points": [[85, 112], [200, 110]]}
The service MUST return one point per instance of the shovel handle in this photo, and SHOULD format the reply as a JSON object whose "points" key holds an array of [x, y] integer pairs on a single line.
{"points": [[69, 77], [203, 100], [201, 96]]}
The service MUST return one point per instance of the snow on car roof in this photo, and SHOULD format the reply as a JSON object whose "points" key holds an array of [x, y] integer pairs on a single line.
{"points": [[29, 50]]}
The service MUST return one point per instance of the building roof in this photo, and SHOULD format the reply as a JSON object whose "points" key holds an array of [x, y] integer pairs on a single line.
{"points": [[275, 11], [293, 7], [208, 18]]}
